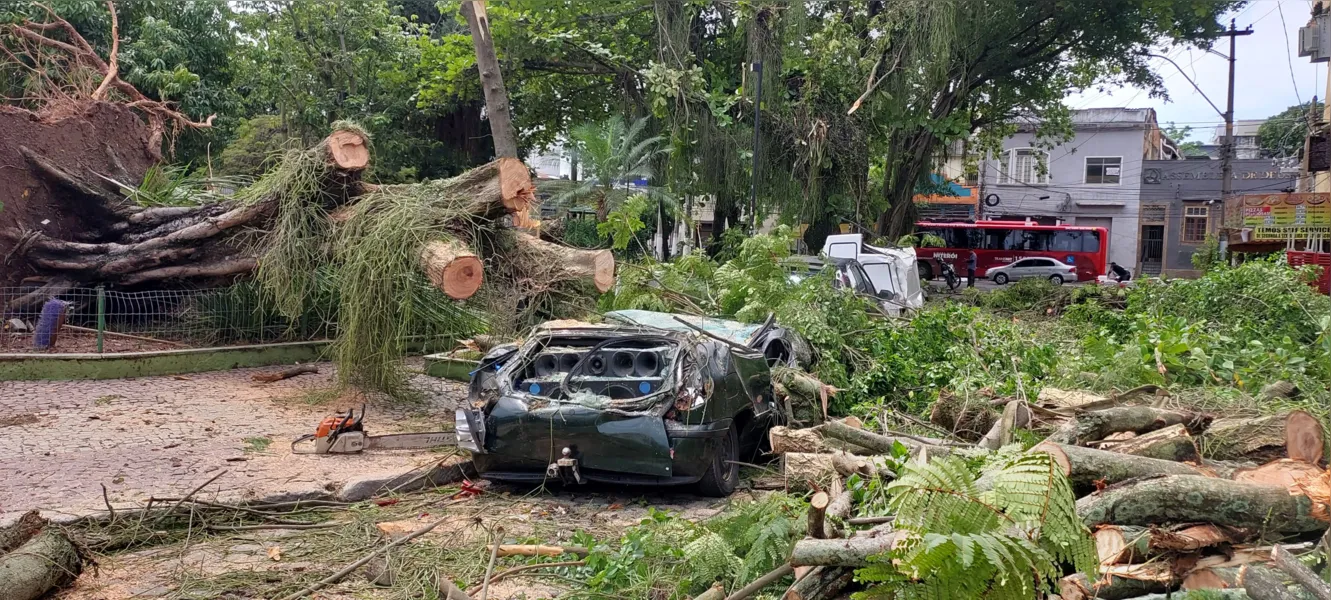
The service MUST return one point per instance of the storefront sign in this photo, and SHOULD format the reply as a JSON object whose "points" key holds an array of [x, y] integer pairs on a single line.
{"points": [[1280, 216], [1155, 175]]}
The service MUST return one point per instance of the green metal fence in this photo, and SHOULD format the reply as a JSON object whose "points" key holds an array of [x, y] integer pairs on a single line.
{"points": [[102, 320]]}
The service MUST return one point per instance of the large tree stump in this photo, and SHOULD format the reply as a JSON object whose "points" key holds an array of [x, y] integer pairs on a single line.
{"points": [[1097, 425], [803, 471], [47, 561], [1194, 499], [453, 268], [810, 441]]}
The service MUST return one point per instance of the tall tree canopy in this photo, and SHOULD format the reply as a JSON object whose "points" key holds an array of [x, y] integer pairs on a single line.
{"points": [[1283, 134], [857, 97]]}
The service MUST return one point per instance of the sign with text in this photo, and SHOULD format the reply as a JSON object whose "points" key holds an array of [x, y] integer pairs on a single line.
{"points": [[1280, 216]]}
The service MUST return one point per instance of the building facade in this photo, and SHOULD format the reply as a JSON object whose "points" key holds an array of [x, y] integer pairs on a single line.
{"points": [[1180, 205], [1093, 179]]}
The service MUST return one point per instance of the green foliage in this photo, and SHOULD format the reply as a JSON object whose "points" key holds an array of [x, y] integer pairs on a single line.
{"points": [[1207, 256], [1008, 542], [170, 185], [1241, 327], [1283, 134], [622, 225], [582, 233], [1026, 295], [258, 144], [612, 155], [668, 557], [1179, 135]]}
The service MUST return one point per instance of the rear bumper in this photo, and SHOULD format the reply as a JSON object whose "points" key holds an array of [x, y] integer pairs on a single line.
{"points": [[610, 447]]}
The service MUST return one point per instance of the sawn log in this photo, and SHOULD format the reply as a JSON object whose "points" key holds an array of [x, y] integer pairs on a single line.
{"points": [[1196, 499]]}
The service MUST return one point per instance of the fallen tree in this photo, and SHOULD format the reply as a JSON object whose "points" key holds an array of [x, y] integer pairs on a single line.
{"points": [[1096, 425], [47, 561], [1296, 434]]}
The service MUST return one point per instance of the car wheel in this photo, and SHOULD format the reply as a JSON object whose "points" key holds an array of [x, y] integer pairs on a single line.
{"points": [[1056, 279], [723, 475], [1001, 278]]}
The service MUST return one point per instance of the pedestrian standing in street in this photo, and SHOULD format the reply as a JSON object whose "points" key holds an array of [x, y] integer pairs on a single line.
{"points": [[971, 262]]}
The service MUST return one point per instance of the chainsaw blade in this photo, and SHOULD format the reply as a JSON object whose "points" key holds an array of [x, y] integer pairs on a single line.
{"points": [[411, 441]]}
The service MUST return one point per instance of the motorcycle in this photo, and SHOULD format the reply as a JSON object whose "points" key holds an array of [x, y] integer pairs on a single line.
{"points": [[950, 276]]}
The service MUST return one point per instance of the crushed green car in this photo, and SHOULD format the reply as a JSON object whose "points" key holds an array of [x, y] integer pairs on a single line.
{"points": [[644, 398]]}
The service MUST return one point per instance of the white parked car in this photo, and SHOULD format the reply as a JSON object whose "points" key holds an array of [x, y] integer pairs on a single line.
{"points": [[1043, 268]]}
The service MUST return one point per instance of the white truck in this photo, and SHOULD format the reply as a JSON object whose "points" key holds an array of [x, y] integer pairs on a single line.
{"points": [[889, 269]]}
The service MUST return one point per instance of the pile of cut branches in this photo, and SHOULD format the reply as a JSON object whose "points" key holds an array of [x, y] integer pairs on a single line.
{"points": [[1133, 498]]}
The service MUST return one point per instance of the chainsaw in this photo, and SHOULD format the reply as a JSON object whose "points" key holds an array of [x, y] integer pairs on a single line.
{"points": [[344, 433]]}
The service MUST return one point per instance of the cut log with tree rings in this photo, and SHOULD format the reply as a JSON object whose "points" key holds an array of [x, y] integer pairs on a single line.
{"points": [[453, 268]]}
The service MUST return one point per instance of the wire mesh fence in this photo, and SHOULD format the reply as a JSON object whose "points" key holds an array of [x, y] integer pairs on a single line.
{"points": [[100, 320]]}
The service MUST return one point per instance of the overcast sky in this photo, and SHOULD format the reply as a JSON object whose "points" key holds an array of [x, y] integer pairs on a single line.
{"points": [[1263, 85]]}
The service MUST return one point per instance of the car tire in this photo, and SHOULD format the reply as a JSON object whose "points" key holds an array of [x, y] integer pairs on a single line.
{"points": [[722, 475], [1001, 279], [1056, 279]]}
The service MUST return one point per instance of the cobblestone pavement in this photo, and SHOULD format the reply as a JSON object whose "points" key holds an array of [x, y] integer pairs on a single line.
{"points": [[60, 441]]}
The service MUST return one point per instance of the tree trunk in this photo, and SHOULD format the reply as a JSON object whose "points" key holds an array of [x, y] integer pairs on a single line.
{"points": [[1097, 425], [1296, 435], [1088, 468], [1193, 499], [1016, 415], [1171, 443], [852, 552], [347, 150], [492, 81], [45, 562], [1305, 577], [596, 267], [453, 268], [818, 515]]}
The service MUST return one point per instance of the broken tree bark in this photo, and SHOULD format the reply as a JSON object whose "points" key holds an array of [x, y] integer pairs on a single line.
{"points": [[492, 81], [1016, 415], [19, 532], [1171, 443], [1096, 425], [1088, 468], [539, 550], [47, 561], [1117, 544], [1108, 587], [1194, 499], [596, 267], [1296, 435], [453, 268], [1282, 473]]}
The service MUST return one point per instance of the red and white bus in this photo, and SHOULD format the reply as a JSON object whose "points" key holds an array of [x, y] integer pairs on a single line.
{"points": [[1001, 242]]}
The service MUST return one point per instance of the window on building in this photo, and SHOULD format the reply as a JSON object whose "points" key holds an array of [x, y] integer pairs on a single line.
{"points": [[1027, 165], [1195, 221], [1104, 170]]}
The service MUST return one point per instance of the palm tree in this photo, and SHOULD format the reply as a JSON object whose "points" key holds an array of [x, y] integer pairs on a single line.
{"points": [[613, 155]]}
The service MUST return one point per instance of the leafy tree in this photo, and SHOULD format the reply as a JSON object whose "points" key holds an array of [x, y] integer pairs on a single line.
{"points": [[613, 155], [1282, 135], [258, 143], [1179, 134]]}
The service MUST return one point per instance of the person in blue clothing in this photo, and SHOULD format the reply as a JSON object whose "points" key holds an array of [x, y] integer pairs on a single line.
{"points": [[971, 262]]}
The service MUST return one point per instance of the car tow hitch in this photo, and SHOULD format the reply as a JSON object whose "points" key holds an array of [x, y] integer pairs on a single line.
{"points": [[565, 469]]}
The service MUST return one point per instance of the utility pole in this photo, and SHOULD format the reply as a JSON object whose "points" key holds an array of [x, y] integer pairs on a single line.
{"points": [[1227, 147]]}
